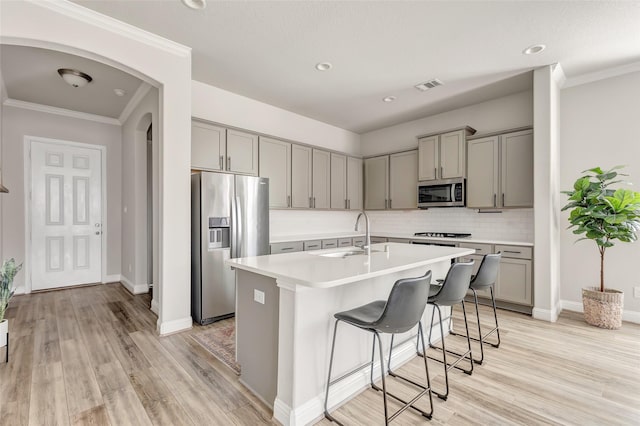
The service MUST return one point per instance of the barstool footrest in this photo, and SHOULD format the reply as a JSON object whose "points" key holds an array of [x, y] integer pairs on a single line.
{"points": [[407, 404], [453, 364]]}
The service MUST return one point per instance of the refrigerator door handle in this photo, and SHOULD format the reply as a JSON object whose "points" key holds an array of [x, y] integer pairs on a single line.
{"points": [[235, 205], [234, 227]]}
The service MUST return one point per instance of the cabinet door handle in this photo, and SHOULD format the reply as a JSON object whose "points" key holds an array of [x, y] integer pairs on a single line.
{"points": [[286, 248], [288, 200], [441, 172], [314, 202], [435, 173], [503, 199], [349, 204], [385, 203], [228, 163], [512, 251], [221, 161], [494, 200], [310, 202], [390, 205]]}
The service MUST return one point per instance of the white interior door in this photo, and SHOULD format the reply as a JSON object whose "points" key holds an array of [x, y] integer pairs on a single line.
{"points": [[66, 215]]}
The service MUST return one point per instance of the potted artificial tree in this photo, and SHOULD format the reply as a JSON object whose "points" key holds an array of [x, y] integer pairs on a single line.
{"points": [[604, 215], [8, 272]]}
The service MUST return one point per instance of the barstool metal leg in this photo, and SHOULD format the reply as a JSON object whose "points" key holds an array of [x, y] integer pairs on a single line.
{"points": [[495, 316], [326, 396]]}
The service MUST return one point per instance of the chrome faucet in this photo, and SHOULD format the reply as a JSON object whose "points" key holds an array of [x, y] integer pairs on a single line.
{"points": [[367, 242]]}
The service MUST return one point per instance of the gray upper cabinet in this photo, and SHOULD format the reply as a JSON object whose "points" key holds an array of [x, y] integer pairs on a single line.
{"points": [[403, 180], [242, 152], [354, 183], [517, 169], [482, 172], [321, 181], [275, 164], [376, 181], [338, 181], [218, 149], [428, 158], [208, 146], [500, 171], [443, 156], [301, 166]]}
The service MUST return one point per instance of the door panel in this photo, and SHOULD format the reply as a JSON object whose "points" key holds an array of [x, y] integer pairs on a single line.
{"points": [[275, 164], [208, 145], [376, 181], [452, 155], [242, 152], [300, 176], [354, 183], [482, 173], [403, 180], [338, 181], [517, 169], [428, 158], [66, 215], [321, 179]]}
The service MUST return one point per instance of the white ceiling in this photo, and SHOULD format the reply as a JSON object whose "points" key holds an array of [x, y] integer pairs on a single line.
{"points": [[31, 75], [267, 50]]}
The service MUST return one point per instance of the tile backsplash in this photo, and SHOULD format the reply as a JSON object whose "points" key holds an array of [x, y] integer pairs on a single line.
{"points": [[510, 225]]}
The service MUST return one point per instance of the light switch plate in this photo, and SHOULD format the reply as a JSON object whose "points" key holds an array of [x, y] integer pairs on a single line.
{"points": [[636, 292], [258, 296]]}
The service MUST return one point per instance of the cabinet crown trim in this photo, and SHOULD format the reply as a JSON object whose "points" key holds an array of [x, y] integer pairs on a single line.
{"points": [[469, 129], [501, 132]]}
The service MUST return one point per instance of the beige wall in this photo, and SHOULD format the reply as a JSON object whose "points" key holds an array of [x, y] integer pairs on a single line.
{"points": [[498, 114], [599, 127], [19, 122]]}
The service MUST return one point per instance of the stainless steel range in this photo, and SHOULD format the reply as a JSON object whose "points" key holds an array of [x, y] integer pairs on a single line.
{"points": [[442, 234]]}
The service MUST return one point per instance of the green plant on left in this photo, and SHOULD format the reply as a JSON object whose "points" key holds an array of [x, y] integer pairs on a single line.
{"points": [[8, 272]]}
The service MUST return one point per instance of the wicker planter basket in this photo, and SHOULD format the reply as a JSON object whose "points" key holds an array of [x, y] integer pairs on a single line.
{"points": [[603, 310]]}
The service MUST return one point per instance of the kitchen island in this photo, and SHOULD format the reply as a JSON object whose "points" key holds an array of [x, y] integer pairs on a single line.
{"points": [[284, 320]]}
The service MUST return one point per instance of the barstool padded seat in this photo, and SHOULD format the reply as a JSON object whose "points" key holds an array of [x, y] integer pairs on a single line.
{"points": [[363, 316]]}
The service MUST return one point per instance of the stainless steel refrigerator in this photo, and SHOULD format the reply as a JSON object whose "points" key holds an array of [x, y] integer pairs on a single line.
{"points": [[229, 219]]}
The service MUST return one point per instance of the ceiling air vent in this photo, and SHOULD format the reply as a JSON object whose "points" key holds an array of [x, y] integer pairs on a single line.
{"points": [[428, 85]]}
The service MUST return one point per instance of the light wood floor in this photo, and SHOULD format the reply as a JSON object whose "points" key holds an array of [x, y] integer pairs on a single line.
{"points": [[91, 356]]}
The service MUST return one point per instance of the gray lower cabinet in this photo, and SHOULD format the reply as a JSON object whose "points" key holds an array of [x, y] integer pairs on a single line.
{"points": [[359, 241], [326, 244], [376, 240], [399, 240], [289, 247], [515, 277], [312, 245], [344, 242]]}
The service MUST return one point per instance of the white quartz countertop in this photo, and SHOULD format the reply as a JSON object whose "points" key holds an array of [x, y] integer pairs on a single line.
{"points": [[455, 240], [311, 237], [310, 269]]}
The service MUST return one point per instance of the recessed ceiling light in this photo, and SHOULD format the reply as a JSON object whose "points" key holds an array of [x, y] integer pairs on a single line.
{"points": [[119, 92], [323, 66], [389, 99], [532, 50], [195, 4], [74, 78]]}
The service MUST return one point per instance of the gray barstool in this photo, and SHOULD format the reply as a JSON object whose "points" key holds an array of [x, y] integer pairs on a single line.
{"points": [[400, 313], [483, 279], [450, 293]]}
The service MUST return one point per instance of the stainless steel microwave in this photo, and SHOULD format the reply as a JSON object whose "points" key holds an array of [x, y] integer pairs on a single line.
{"points": [[441, 193]]}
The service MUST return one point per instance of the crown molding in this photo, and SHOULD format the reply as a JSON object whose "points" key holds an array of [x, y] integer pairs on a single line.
{"points": [[108, 23], [61, 111], [601, 75], [140, 93]]}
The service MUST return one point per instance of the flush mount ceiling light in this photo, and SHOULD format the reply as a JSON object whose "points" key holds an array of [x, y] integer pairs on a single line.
{"points": [[74, 78], [532, 50], [195, 4], [323, 66], [389, 99], [119, 92]]}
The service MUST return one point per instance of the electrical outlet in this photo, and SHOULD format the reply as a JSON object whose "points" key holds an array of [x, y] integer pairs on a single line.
{"points": [[636, 292], [258, 296]]}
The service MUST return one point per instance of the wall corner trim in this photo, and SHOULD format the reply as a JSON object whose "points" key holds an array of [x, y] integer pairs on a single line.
{"points": [[170, 327], [134, 288], [140, 93]]}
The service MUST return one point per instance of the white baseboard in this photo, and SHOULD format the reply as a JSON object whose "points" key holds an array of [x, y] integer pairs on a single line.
{"points": [[313, 410], [170, 327], [154, 306], [630, 316], [549, 315], [112, 278], [134, 288]]}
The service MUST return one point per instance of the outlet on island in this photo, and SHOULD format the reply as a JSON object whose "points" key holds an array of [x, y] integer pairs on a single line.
{"points": [[258, 296]]}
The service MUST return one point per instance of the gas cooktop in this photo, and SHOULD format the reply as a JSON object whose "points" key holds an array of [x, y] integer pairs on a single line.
{"points": [[441, 234]]}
